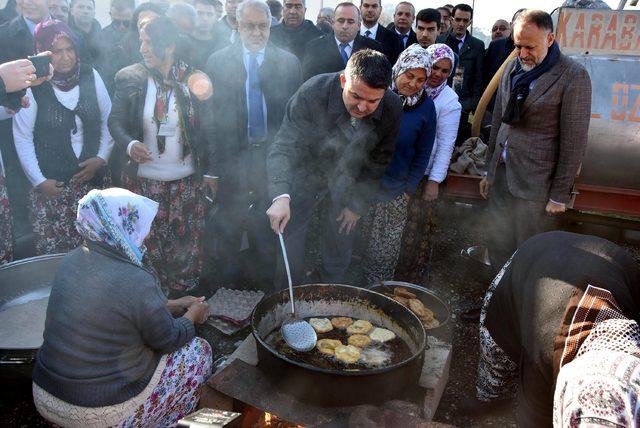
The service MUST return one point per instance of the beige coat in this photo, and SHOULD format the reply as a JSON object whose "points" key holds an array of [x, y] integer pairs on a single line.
{"points": [[546, 147]]}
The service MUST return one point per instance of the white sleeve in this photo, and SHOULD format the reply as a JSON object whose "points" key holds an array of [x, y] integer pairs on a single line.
{"points": [[23, 123], [446, 133], [104, 103]]}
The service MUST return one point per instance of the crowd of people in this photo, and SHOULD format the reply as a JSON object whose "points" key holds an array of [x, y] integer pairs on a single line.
{"points": [[227, 130]]}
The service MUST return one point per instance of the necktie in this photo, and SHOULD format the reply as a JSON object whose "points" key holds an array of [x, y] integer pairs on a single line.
{"points": [[343, 52], [257, 127], [367, 33], [405, 39]]}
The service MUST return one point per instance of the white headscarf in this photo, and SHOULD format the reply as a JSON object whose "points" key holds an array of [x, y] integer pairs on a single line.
{"points": [[414, 56], [117, 217], [437, 52]]}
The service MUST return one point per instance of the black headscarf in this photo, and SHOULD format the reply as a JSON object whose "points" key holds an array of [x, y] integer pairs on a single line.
{"points": [[521, 80]]}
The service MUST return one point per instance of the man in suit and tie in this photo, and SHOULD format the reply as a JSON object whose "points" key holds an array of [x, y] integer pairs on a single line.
{"points": [[403, 18], [254, 80], [294, 32], [370, 28], [337, 137], [538, 137], [16, 42], [330, 53], [470, 52]]}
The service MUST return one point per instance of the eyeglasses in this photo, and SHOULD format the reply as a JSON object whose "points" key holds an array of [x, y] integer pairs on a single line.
{"points": [[247, 26], [122, 23]]}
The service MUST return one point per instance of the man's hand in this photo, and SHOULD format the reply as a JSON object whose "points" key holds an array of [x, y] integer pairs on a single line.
{"points": [[554, 208], [431, 192], [279, 214], [178, 307], [50, 188], [348, 220], [484, 187], [210, 184], [89, 168], [139, 153], [17, 75], [198, 312]]}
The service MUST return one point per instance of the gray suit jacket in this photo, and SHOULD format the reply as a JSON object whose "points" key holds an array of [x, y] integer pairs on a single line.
{"points": [[545, 149]]}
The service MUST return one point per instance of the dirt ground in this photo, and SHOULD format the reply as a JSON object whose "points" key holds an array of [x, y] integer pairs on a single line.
{"points": [[459, 280]]}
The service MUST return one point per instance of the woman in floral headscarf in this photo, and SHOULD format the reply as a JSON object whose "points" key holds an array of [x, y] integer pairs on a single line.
{"points": [[162, 124], [403, 174], [116, 352], [62, 138], [418, 233]]}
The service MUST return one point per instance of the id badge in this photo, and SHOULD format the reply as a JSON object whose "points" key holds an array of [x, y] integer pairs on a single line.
{"points": [[165, 130]]}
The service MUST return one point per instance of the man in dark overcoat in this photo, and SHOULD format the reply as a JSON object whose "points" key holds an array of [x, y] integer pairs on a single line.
{"points": [[253, 81]]}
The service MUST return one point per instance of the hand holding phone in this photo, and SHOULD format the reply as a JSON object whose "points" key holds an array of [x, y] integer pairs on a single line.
{"points": [[41, 64]]}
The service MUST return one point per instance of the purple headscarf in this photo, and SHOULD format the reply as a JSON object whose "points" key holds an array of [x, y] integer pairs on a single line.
{"points": [[45, 35], [437, 52]]}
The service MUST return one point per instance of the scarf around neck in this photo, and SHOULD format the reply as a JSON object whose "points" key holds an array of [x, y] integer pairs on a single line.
{"points": [[521, 80], [415, 56], [118, 218], [176, 83], [437, 52], [44, 36]]}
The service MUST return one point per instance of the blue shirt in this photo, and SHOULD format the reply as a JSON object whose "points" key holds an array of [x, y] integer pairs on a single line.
{"points": [[413, 149]]}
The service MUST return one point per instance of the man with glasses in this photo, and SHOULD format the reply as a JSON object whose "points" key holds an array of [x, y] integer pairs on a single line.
{"points": [[470, 51], [294, 32], [203, 40], [121, 12], [253, 81]]}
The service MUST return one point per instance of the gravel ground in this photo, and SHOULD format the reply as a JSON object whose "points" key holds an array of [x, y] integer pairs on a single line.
{"points": [[459, 281]]}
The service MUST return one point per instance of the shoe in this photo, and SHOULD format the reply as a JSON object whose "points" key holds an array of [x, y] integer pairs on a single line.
{"points": [[471, 315], [471, 406]]}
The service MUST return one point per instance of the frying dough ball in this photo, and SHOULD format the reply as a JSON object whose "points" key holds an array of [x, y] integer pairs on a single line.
{"points": [[402, 300], [359, 327], [321, 325], [433, 323], [341, 322], [381, 335], [403, 292], [359, 340], [417, 307], [347, 354], [328, 346]]}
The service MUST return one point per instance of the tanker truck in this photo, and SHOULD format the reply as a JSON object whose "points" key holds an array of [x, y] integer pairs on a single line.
{"points": [[607, 44]]}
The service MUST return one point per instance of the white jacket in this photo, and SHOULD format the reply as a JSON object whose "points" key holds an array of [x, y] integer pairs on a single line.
{"points": [[448, 116]]}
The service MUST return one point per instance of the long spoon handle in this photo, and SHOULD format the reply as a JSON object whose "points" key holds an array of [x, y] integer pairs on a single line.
{"points": [[286, 265]]}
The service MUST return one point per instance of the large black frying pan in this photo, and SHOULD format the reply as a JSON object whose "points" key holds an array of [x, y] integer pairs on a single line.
{"points": [[332, 386]]}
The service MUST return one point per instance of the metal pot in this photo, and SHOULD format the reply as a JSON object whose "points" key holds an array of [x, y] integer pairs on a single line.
{"points": [[20, 282], [332, 387]]}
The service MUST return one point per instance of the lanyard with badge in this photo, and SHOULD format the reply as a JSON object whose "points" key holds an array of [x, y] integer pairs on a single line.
{"points": [[161, 118]]}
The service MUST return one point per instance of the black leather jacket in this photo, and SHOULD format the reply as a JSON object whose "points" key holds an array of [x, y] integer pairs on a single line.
{"points": [[125, 120]]}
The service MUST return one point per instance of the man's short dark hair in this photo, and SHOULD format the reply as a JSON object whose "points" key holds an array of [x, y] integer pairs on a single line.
{"points": [[275, 6], [73, 2], [379, 3], [429, 15], [463, 7], [370, 67], [539, 18], [448, 5], [445, 9]]}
